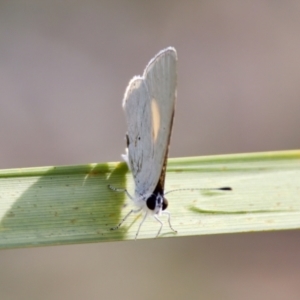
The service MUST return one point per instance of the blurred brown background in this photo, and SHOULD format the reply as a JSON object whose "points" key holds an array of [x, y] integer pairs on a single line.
{"points": [[64, 67]]}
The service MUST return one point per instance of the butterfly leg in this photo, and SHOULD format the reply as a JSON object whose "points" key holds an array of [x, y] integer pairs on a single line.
{"points": [[120, 191], [169, 220], [144, 218], [161, 224], [125, 218]]}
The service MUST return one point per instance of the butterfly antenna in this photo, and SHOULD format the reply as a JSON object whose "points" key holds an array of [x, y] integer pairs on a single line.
{"points": [[225, 188]]}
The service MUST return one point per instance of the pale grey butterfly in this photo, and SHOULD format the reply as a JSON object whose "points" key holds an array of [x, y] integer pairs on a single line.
{"points": [[149, 104]]}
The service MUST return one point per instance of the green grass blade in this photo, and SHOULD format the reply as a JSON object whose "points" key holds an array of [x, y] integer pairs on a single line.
{"points": [[72, 204]]}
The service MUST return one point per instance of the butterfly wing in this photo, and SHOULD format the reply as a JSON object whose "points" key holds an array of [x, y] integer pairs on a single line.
{"points": [[149, 104]]}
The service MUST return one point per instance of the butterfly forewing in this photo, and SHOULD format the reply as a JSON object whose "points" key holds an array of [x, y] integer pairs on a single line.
{"points": [[149, 103]]}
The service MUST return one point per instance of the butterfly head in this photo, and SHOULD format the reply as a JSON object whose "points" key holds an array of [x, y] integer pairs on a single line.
{"points": [[157, 203]]}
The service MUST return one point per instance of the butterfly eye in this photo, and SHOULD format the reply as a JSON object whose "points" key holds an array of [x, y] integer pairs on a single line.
{"points": [[165, 204], [151, 202]]}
